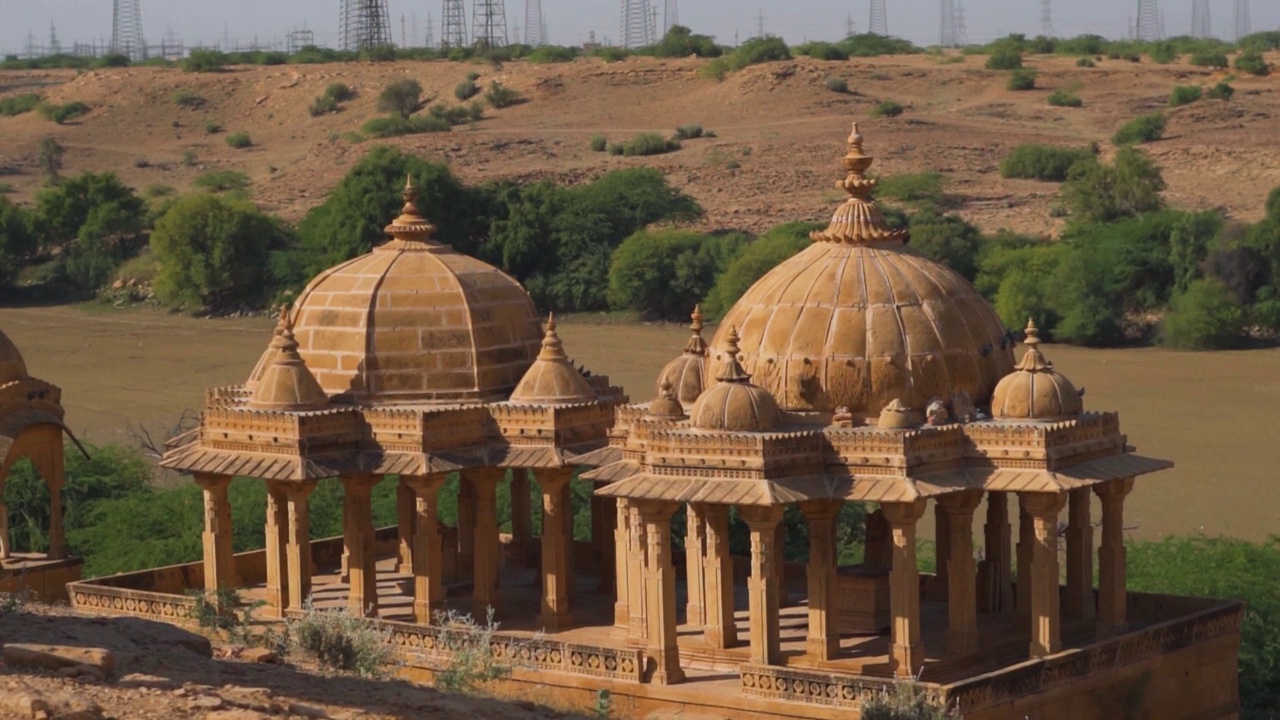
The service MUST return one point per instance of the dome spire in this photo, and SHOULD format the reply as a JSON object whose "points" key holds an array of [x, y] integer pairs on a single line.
{"points": [[696, 345], [552, 379], [410, 231], [287, 384], [859, 219], [1035, 390], [732, 371], [552, 347], [1033, 360]]}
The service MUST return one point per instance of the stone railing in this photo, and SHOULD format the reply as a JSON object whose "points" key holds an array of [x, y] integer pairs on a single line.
{"points": [[1034, 676], [434, 647], [106, 600], [812, 687]]}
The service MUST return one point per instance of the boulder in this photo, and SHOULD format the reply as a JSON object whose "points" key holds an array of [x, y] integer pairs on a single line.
{"points": [[54, 657], [257, 655]]}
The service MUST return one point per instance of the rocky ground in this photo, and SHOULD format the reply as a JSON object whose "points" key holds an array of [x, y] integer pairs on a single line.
{"points": [[132, 669]]}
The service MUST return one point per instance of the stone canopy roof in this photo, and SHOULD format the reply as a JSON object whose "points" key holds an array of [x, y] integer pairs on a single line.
{"points": [[25, 401]]}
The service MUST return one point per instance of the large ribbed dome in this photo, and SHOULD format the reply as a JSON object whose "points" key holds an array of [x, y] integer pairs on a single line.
{"points": [[414, 321], [12, 366], [858, 319]]}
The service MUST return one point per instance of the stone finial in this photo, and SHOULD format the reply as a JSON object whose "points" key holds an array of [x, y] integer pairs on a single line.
{"points": [[552, 379], [897, 416], [552, 347], [1033, 360], [411, 230], [666, 406], [858, 220], [1035, 390], [696, 345], [731, 370]]}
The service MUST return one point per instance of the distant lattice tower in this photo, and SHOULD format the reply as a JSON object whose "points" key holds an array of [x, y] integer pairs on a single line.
{"points": [[535, 24], [489, 23], [453, 25], [962, 30], [947, 23], [1242, 19], [637, 27], [1046, 18], [364, 25], [879, 24], [670, 15], [126, 30], [1148, 27], [1201, 27]]}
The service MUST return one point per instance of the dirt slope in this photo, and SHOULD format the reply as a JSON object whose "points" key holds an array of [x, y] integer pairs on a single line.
{"points": [[777, 121]]}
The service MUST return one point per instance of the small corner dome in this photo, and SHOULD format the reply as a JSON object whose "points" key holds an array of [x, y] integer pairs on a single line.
{"points": [[685, 373], [733, 404], [416, 322], [552, 379], [1034, 390], [12, 366]]}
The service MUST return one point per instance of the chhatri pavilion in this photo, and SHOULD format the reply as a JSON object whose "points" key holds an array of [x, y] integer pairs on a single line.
{"points": [[857, 371]]}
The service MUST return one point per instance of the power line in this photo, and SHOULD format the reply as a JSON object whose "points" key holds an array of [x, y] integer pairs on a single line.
{"points": [[453, 25], [126, 30], [879, 24], [1201, 27], [489, 23]]}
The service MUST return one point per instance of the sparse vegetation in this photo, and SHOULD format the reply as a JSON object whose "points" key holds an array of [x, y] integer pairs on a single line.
{"points": [[1022, 79], [60, 114], [217, 181], [1142, 129], [1253, 63], [837, 85], [1221, 91], [1085, 62], [49, 158], [212, 128], [341, 641], [822, 51], [1004, 59], [918, 188], [887, 108], [1185, 95], [340, 92], [649, 144], [466, 90], [611, 54], [472, 663], [1043, 162], [690, 132], [188, 99], [19, 104], [501, 96], [402, 97], [239, 140], [394, 125], [599, 143], [550, 54], [323, 105], [907, 701], [202, 60], [1210, 59], [1062, 98]]}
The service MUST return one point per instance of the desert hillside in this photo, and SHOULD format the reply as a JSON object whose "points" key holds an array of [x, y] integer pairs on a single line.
{"points": [[775, 157]]}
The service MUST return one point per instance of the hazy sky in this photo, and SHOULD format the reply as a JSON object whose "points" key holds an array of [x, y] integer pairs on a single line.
{"points": [[570, 21]]}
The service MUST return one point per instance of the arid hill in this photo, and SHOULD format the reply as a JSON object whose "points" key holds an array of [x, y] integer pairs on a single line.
{"points": [[775, 158]]}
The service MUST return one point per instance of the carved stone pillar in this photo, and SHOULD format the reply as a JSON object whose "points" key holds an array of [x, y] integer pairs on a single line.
{"points": [[428, 571], [622, 564], [638, 560], [1079, 603], [823, 641], [521, 517], [54, 476], [997, 590], [1112, 559], [488, 546], [607, 547], [718, 607], [1026, 540], [660, 586], [570, 541], [277, 540], [555, 549], [466, 529], [361, 558], [219, 563], [765, 604], [298, 543], [404, 525], [6, 548], [780, 561], [695, 531], [941, 552], [906, 655], [1046, 618], [962, 591]]}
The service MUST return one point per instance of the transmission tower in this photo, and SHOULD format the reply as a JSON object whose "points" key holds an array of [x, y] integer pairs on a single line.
{"points": [[636, 30], [126, 30], [850, 27], [430, 40], [962, 30], [453, 25], [364, 25], [1242, 18], [670, 15], [879, 24], [947, 23], [535, 23], [489, 23], [1046, 18], [1148, 27], [760, 23], [1200, 24]]}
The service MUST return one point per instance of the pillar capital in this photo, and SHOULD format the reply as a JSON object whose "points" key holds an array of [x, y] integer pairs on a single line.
{"points": [[422, 484], [656, 510], [903, 513], [1041, 505], [360, 482], [821, 509], [1114, 489], [298, 490], [964, 502], [207, 481], [761, 516]]}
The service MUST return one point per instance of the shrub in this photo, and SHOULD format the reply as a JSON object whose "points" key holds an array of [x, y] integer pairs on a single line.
{"points": [[239, 141], [1221, 91], [472, 663], [473, 76], [907, 701], [466, 90], [717, 69], [19, 104], [49, 158], [212, 128], [1185, 95], [323, 105], [611, 54], [837, 85], [1042, 162], [1004, 59], [681, 42], [1022, 80], [395, 125], [17, 239], [551, 54], [872, 45], [757, 258], [402, 97], [920, 188], [649, 144], [339, 92], [689, 132], [212, 252], [1253, 63], [1104, 193], [1163, 52], [457, 115], [615, 149], [760, 50], [188, 99], [1204, 317], [661, 274], [1142, 129], [341, 641], [1085, 63], [599, 143], [500, 96], [1062, 98], [113, 60], [217, 181], [1210, 59], [887, 108], [62, 113], [822, 51], [201, 60]]}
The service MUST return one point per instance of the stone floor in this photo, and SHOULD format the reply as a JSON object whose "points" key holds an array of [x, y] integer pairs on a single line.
{"points": [[1001, 642]]}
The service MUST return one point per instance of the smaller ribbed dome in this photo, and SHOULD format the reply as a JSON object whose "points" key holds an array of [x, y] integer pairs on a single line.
{"points": [[12, 367], [733, 404], [1034, 390], [552, 379], [287, 384], [685, 372], [666, 406]]}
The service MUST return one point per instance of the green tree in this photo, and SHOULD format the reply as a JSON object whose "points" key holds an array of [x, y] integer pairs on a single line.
{"points": [[663, 274], [50, 158], [759, 257], [947, 239], [212, 252], [17, 239], [61, 211], [402, 97], [1095, 192], [681, 42]]}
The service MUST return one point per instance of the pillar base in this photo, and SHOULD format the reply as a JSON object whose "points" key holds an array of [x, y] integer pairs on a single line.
{"points": [[555, 623], [670, 677], [907, 660], [817, 650]]}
